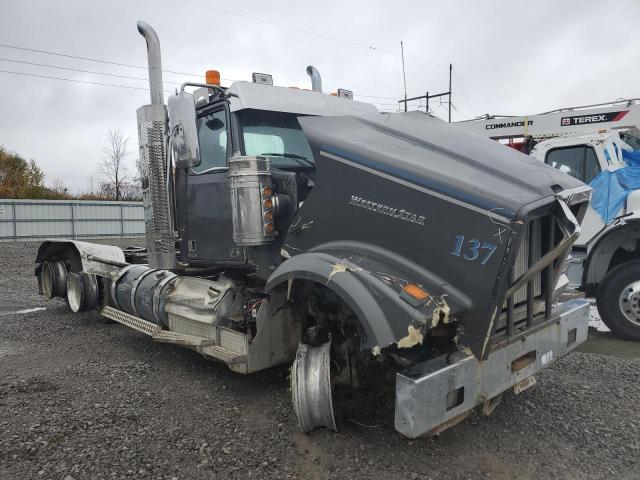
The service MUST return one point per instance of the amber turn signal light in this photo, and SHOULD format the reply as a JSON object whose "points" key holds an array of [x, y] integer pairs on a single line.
{"points": [[415, 291], [414, 295]]}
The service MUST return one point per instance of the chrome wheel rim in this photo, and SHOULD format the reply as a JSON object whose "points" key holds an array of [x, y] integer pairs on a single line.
{"points": [[74, 292], [46, 280], [311, 387], [629, 302]]}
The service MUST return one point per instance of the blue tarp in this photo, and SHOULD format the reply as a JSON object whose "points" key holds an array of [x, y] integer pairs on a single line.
{"points": [[611, 189]]}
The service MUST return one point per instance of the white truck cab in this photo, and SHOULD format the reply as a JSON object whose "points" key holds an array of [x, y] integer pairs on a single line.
{"points": [[584, 157], [583, 142]]}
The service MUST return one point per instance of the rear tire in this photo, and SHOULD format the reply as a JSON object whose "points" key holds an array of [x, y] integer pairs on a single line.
{"points": [[618, 300]]}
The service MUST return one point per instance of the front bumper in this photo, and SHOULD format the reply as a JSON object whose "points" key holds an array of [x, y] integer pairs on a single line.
{"points": [[434, 394]]}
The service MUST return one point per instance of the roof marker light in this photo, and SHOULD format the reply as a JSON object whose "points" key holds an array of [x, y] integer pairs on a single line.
{"points": [[262, 78], [343, 93], [212, 77]]}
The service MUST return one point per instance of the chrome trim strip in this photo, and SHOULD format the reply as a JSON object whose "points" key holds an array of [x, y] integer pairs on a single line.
{"points": [[417, 187]]}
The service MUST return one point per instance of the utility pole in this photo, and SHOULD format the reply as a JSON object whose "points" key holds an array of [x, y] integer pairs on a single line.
{"points": [[404, 76], [450, 72], [428, 96]]}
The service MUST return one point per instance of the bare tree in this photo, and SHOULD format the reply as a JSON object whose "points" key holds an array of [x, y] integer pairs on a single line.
{"points": [[60, 187], [113, 166]]}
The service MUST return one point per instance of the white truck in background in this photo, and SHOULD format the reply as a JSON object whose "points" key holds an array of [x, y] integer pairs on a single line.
{"points": [[583, 142]]}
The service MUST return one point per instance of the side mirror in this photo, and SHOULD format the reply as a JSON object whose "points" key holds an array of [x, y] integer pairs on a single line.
{"points": [[183, 130]]}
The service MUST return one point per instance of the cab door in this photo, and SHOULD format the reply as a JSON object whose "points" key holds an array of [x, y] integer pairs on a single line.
{"points": [[209, 232]]}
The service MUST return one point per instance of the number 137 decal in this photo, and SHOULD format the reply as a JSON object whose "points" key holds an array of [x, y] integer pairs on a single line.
{"points": [[473, 250]]}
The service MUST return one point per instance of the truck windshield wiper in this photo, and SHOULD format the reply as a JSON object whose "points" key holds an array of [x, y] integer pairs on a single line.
{"points": [[305, 161]]}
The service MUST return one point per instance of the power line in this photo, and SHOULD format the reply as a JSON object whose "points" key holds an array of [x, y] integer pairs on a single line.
{"points": [[460, 111], [307, 32], [374, 96], [78, 81], [112, 84], [118, 64], [129, 77], [464, 93], [98, 60], [81, 70], [471, 87], [76, 57]]}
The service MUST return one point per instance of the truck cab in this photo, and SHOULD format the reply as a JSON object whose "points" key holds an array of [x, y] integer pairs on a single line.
{"points": [[584, 156], [606, 257], [249, 119]]}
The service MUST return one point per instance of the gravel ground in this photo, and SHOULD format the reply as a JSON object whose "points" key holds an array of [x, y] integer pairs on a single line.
{"points": [[81, 399]]}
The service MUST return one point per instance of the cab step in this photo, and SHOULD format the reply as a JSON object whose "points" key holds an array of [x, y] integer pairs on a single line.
{"points": [[229, 346]]}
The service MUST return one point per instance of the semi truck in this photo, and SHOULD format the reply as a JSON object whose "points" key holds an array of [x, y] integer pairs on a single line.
{"points": [[585, 142], [287, 226]]}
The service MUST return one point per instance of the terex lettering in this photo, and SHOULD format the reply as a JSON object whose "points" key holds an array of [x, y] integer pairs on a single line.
{"points": [[597, 118]]}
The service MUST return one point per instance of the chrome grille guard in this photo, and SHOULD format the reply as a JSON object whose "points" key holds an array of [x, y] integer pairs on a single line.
{"points": [[571, 231], [548, 266]]}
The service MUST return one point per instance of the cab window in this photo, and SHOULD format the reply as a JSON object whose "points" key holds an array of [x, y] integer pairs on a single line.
{"points": [[580, 162], [275, 134], [212, 136]]}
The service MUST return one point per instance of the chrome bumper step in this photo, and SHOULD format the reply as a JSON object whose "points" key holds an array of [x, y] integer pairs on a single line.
{"points": [[432, 393]]}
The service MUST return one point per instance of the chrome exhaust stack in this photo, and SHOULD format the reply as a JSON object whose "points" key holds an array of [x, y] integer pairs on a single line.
{"points": [[316, 80], [152, 137]]}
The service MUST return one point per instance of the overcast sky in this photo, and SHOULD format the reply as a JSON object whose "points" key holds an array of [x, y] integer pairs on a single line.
{"points": [[509, 57]]}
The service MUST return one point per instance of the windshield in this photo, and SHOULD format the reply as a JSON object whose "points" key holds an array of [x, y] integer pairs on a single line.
{"points": [[277, 135], [631, 140]]}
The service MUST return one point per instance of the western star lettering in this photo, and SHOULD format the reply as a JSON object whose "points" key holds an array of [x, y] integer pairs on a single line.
{"points": [[386, 210]]}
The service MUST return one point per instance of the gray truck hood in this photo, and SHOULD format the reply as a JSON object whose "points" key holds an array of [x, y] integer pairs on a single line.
{"points": [[440, 157]]}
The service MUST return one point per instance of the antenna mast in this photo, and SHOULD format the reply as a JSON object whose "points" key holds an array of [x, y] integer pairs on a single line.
{"points": [[404, 76]]}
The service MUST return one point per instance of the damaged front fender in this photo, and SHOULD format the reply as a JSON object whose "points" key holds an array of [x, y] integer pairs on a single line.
{"points": [[370, 280]]}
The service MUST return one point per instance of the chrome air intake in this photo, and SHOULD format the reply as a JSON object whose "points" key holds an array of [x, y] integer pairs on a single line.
{"points": [[252, 201], [152, 136]]}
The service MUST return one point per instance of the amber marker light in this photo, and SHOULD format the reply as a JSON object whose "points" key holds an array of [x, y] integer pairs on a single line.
{"points": [[212, 77], [414, 295]]}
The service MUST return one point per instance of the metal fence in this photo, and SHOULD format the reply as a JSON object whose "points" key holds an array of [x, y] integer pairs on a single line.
{"points": [[37, 219]]}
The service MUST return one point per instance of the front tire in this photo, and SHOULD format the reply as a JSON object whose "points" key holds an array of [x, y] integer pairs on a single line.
{"points": [[618, 300]]}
